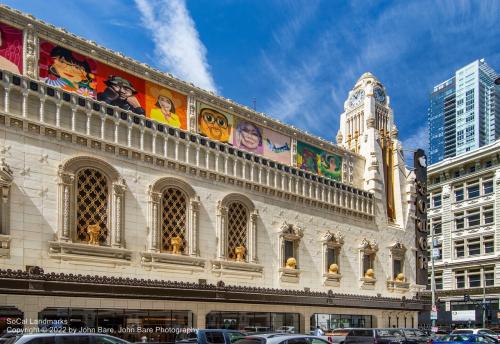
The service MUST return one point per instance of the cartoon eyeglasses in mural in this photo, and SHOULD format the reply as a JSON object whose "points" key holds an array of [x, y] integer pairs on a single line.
{"points": [[214, 125], [120, 92]]}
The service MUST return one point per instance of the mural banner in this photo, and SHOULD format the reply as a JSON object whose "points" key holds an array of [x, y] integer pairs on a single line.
{"points": [[215, 124], [74, 72], [11, 49], [248, 136], [277, 147], [316, 160]]}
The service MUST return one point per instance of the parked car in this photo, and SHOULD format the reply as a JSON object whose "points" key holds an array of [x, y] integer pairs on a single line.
{"points": [[212, 336], [256, 329], [377, 335], [283, 339], [65, 338], [484, 331], [466, 339], [262, 338]]}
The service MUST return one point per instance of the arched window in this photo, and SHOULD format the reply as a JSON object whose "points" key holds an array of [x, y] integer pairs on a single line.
{"points": [[174, 210], [237, 231], [91, 203], [172, 218], [92, 206], [6, 178]]}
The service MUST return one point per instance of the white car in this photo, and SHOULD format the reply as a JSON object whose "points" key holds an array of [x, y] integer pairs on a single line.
{"points": [[286, 329]]}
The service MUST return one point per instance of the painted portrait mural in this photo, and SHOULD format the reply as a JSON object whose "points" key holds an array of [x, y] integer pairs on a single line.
{"points": [[166, 106], [74, 72], [277, 146], [248, 136], [215, 124], [315, 160], [11, 49]]}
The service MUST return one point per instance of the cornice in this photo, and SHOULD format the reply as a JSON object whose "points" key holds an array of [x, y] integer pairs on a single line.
{"points": [[36, 281], [119, 60]]}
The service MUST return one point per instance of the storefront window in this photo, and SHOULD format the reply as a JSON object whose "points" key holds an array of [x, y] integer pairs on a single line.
{"points": [[123, 323], [10, 317], [249, 321], [332, 321]]}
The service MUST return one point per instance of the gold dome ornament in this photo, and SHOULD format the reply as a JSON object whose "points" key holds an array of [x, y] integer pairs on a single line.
{"points": [[400, 277], [333, 268], [291, 263], [94, 232], [176, 243], [240, 253], [370, 273]]}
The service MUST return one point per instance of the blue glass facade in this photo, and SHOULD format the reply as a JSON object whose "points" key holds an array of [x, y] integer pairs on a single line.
{"points": [[464, 112]]}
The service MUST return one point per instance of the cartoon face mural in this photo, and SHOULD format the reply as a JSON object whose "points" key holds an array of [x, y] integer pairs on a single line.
{"points": [[248, 136], [215, 125], [166, 106], [318, 161], [121, 92], [60, 67], [11, 49]]}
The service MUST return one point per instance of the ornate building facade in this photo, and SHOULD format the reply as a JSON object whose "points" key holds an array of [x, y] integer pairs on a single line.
{"points": [[131, 199]]}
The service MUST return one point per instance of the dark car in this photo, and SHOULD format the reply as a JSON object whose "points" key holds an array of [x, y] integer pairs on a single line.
{"points": [[65, 338], [212, 337]]}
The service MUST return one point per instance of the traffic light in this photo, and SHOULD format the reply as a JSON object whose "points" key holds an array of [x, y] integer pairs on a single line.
{"points": [[466, 298]]}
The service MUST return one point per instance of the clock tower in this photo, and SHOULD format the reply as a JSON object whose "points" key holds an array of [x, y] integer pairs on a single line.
{"points": [[367, 128]]}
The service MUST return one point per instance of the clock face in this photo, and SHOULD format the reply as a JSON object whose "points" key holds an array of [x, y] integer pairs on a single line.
{"points": [[357, 98], [379, 95]]}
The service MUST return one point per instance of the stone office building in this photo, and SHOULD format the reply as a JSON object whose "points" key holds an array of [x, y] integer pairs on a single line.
{"points": [[132, 199], [463, 216]]}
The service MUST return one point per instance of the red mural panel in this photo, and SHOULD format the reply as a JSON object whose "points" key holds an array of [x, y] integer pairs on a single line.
{"points": [[11, 49]]}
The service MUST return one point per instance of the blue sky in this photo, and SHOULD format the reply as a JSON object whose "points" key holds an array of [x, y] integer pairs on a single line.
{"points": [[298, 59]]}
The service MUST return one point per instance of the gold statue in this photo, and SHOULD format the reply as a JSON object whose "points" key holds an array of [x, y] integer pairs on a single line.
{"points": [[333, 269], [176, 243], [94, 232], [370, 274], [240, 253], [291, 263], [400, 277]]}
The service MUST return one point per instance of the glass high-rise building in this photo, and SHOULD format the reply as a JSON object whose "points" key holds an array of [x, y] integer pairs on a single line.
{"points": [[464, 112]]}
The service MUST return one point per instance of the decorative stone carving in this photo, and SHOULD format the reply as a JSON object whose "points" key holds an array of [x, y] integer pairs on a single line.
{"points": [[291, 232], [333, 239], [370, 274], [94, 233], [333, 269], [176, 243], [6, 177], [30, 48], [240, 253], [291, 263], [368, 246]]}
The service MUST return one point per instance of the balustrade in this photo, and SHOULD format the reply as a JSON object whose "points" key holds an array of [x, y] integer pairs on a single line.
{"points": [[56, 109]]}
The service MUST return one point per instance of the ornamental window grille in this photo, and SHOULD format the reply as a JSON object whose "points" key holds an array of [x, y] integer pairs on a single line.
{"points": [[92, 204], [174, 211], [237, 228]]}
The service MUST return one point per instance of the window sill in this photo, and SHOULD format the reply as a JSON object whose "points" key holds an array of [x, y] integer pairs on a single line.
{"points": [[4, 246], [90, 254], [237, 269], [368, 283], [172, 262], [398, 286], [331, 279], [289, 275]]}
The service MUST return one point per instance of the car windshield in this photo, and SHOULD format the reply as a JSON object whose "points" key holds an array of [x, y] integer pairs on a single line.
{"points": [[234, 336], [457, 338], [462, 332]]}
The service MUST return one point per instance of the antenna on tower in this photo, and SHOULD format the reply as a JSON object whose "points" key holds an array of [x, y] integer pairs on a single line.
{"points": [[254, 102]]}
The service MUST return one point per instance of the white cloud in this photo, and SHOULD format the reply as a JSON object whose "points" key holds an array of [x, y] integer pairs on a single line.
{"points": [[177, 43], [419, 139]]}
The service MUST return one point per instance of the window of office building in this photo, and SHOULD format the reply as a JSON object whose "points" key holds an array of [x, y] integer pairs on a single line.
{"points": [[489, 276], [459, 220], [460, 279], [473, 218], [474, 246], [474, 277], [488, 244], [459, 194], [436, 225], [459, 249], [487, 186], [436, 200], [488, 215], [473, 190]]}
